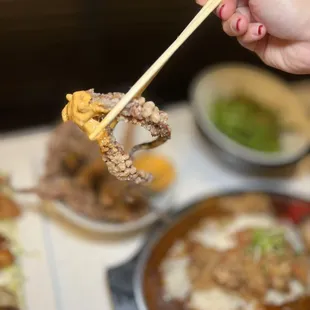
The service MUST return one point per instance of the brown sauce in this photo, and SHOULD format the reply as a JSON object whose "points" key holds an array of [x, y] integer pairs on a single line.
{"points": [[152, 285]]}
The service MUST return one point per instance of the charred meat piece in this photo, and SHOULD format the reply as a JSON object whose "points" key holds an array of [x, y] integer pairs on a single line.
{"points": [[6, 257], [301, 269], [68, 150], [229, 271], [76, 175]]}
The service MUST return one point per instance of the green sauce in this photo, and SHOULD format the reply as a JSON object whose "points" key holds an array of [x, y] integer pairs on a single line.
{"points": [[247, 123]]}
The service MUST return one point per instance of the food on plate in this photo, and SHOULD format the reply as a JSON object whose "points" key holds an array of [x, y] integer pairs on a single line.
{"points": [[8, 207], [10, 273], [160, 167], [247, 123], [76, 175], [87, 108], [249, 259], [6, 258]]}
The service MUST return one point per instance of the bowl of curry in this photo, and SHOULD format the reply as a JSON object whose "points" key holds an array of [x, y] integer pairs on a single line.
{"points": [[236, 250]]}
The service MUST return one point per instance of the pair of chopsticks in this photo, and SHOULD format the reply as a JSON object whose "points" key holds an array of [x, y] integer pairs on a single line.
{"points": [[150, 74]]}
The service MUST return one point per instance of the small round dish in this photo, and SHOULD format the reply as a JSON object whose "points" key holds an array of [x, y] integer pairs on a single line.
{"points": [[160, 205], [227, 80]]}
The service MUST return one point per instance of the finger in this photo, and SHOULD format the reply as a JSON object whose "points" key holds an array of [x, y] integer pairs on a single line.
{"points": [[245, 11], [225, 10], [235, 26], [255, 33]]}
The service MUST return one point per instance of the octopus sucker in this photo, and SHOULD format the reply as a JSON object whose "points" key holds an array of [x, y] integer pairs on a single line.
{"points": [[87, 108]]}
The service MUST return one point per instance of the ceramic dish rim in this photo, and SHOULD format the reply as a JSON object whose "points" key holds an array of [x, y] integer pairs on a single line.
{"points": [[115, 228]]}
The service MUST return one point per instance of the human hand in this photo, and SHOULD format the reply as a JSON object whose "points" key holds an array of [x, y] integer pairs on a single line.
{"points": [[278, 31]]}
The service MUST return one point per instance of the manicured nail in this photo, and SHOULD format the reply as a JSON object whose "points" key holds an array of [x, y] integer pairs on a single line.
{"points": [[238, 24], [221, 11], [259, 31]]}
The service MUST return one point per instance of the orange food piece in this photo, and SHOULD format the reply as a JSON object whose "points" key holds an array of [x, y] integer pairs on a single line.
{"points": [[8, 208], [6, 258], [160, 167]]}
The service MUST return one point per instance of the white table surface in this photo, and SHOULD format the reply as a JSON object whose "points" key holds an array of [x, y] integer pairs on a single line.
{"points": [[64, 268]]}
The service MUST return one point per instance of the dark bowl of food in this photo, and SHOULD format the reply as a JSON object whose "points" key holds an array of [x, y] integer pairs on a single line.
{"points": [[251, 118], [238, 250]]}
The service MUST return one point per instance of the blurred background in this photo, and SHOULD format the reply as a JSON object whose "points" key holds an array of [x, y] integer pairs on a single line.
{"points": [[50, 48]]}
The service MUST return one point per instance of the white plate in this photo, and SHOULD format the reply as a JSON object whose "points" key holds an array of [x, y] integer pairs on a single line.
{"points": [[162, 204], [159, 204]]}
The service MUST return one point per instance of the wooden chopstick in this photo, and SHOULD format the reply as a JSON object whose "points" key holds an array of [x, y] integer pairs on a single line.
{"points": [[128, 137], [150, 74]]}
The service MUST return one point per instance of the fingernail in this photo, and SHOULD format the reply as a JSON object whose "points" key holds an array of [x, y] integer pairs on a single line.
{"points": [[221, 11], [259, 31], [238, 24]]}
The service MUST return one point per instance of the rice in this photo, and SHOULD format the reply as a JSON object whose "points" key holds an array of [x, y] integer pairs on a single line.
{"points": [[221, 238], [292, 236], [277, 298], [175, 278], [178, 249]]}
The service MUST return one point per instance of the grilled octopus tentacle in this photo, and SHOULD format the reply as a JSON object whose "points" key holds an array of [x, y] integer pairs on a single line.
{"points": [[139, 112], [147, 146]]}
